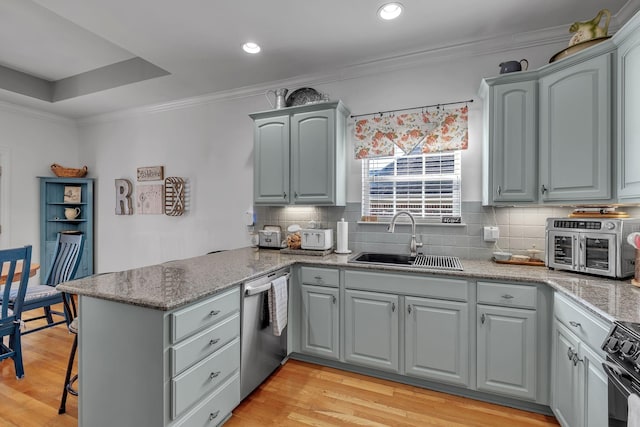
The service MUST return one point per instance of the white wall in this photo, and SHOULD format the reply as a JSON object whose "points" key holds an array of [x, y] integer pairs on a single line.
{"points": [[29, 143], [211, 144]]}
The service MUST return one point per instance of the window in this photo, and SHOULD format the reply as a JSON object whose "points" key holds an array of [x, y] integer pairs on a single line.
{"points": [[427, 185]]}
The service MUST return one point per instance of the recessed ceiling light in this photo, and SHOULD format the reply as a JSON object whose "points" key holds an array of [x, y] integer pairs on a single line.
{"points": [[390, 11], [251, 47]]}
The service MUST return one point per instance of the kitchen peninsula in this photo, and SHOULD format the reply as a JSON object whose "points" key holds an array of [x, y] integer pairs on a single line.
{"points": [[130, 344]]}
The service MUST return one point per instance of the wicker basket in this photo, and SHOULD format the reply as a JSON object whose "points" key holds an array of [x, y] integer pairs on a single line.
{"points": [[63, 172]]}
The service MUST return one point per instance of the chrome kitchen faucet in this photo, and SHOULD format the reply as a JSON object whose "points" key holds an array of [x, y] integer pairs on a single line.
{"points": [[413, 246]]}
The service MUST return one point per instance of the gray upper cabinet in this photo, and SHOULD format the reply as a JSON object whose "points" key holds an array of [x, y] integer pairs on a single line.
{"points": [[510, 142], [271, 160], [628, 125], [548, 134], [575, 132], [300, 155]]}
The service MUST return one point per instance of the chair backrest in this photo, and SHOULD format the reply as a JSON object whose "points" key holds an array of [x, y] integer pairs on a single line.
{"points": [[66, 258], [9, 259]]}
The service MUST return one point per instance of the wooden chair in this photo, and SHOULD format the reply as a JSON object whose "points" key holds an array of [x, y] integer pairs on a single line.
{"points": [[64, 265], [11, 317]]}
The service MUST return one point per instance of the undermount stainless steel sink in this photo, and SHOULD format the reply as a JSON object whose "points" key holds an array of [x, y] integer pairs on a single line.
{"points": [[422, 261]]}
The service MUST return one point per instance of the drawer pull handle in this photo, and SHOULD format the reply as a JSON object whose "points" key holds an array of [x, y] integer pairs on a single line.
{"points": [[318, 277], [575, 324], [214, 375], [214, 313], [213, 415], [214, 341], [507, 296]]}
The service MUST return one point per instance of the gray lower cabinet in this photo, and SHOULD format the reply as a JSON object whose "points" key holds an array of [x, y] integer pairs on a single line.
{"points": [[151, 368], [371, 329], [437, 340], [628, 111], [320, 321], [507, 351], [579, 384], [576, 133]]}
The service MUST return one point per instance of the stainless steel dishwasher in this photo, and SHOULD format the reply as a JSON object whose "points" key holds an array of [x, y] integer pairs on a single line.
{"points": [[261, 351]]}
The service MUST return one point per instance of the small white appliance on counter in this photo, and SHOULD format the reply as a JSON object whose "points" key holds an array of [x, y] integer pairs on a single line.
{"points": [[318, 239], [270, 236]]}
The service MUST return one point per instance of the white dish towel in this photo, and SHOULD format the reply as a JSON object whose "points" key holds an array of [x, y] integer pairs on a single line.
{"points": [[278, 299], [633, 416]]}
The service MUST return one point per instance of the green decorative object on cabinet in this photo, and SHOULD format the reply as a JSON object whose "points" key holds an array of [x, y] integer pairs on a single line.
{"points": [[53, 205]]}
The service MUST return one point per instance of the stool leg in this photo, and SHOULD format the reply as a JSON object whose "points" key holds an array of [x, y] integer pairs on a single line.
{"points": [[72, 356]]}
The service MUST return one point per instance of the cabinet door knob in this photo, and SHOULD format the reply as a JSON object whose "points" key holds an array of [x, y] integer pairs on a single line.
{"points": [[570, 353], [482, 318], [499, 190], [334, 299], [576, 359], [393, 306], [285, 194], [409, 308], [295, 194], [543, 189]]}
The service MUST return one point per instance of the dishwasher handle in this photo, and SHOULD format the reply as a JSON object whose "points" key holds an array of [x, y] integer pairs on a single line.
{"points": [[256, 289]]}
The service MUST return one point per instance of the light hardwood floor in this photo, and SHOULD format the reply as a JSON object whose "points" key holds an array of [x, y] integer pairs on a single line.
{"points": [[298, 394]]}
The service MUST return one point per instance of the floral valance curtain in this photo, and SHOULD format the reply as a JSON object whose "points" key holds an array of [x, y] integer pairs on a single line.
{"points": [[436, 131]]}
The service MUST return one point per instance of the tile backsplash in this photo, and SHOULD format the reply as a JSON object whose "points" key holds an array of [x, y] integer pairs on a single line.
{"points": [[520, 228]]}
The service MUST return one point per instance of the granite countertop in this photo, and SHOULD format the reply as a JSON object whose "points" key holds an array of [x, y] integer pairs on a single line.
{"points": [[174, 284]]}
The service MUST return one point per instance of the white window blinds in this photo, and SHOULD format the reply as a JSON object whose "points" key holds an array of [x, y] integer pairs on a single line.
{"points": [[427, 185]]}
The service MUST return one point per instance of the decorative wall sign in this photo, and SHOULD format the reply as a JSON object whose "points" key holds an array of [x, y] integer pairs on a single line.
{"points": [[149, 199], [151, 173], [72, 194], [174, 196], [123, 197]]}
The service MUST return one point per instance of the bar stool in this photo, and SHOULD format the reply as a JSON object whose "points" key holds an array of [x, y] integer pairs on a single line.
{"points": [[71, 312]]}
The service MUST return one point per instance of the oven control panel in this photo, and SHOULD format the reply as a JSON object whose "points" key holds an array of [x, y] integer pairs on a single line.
{"points": [[623, 345]]}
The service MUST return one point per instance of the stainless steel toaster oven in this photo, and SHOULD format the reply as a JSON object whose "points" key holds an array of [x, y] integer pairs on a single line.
{"points": [[591, 245]]}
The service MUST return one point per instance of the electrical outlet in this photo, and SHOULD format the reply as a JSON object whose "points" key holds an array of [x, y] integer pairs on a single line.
{"points": [[491, 234]]}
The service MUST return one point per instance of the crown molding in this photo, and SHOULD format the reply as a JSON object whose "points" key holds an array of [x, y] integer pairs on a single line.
{"points": [[35, 113], [405, 60]]}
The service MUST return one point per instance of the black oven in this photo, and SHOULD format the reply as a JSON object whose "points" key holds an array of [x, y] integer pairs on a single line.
{"points": [[622, 368]]}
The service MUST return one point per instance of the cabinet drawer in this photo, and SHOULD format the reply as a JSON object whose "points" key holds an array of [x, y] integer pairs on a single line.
{"points": [[587, 327], [213, 410], [203, 344], [424, 286], [191, 319], [319, 276], [507, 294], [203, 378]]}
